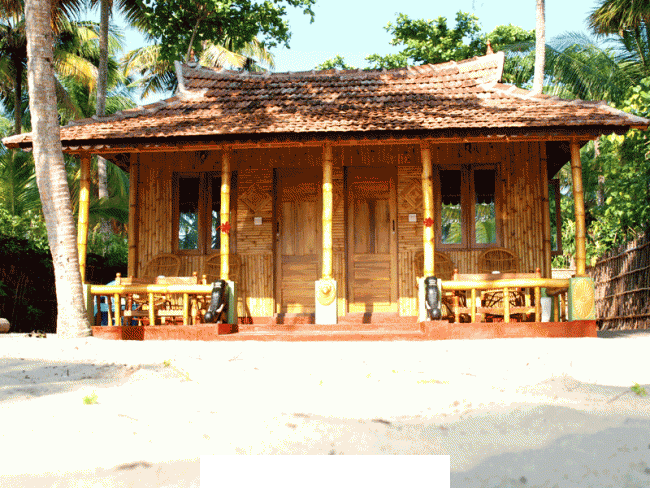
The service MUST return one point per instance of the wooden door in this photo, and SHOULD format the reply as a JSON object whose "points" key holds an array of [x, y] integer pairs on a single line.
{"points": [[372, 240], [298, 240]]}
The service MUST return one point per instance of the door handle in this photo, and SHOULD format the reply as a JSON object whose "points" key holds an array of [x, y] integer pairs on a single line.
{"points": [[393, 226]]}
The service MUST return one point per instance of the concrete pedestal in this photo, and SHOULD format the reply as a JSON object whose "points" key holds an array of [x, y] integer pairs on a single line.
{"points": [[326, 313], [231, 315], [582, 299]]}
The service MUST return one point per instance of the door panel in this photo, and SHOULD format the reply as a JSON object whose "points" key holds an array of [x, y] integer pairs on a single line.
{"points": [[299, 240], [371, 254]]}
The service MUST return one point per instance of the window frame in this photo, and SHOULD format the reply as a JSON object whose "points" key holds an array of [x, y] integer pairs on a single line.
{"points": [[205, 199], [468, 205]]}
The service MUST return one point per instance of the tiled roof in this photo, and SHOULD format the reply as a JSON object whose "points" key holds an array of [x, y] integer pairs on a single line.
{"points": [[454, 95]]}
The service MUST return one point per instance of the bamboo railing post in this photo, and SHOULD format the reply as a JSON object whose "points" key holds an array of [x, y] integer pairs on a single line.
{"points": [[427, 201], [506, 305], [579, 201], [152, 312], [225, 216], [473, 305], [186, 309], [84, 201], [327, 212], [118, 308], [134, 189]]}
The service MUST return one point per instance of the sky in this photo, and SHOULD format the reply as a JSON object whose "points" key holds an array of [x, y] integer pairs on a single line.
{"points": [[355, 28]]}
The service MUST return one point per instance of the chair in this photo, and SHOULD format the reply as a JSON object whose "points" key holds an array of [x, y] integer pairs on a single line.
{"points": [[212, 268], [502, 260], [162, 265], [443, 265], [498, 259]]}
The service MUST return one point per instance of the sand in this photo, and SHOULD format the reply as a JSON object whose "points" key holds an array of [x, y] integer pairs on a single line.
{"points": [[512, 412]]}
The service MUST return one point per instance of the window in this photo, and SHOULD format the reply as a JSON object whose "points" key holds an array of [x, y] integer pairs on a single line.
{"points": [[197, 212], [466, 208]]}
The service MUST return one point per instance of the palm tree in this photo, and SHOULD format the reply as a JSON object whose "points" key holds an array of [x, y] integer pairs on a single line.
{"points": [[540, 47], [615, 16], [50, 171]]}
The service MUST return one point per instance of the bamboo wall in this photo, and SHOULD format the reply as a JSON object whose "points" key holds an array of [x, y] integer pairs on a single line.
{"points": [[521, 202], [622, 280]]}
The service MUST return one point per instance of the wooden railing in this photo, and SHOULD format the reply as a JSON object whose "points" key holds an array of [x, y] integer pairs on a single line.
{"points": [[151, 291], [501, 294]]}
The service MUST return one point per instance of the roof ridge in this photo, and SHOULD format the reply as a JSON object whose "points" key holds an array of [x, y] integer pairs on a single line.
{"points": [[182, 71]]}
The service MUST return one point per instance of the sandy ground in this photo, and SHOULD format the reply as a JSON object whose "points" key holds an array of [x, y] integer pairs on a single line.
{"points": [[510, 413]]}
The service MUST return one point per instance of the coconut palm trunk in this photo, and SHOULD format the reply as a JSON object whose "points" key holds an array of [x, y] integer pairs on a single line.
{"points": [[540, 47], [102, 81], [50, 171]]}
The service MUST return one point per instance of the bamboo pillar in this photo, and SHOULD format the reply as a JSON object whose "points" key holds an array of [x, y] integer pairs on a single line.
{"points": [[546, 217], [579, 202], [327, 212], [82, 227], [134, 189], [225, 215], [427, 200]]}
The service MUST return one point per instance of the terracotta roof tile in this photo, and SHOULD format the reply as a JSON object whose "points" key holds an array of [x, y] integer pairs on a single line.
{"points": [[466, 94]]}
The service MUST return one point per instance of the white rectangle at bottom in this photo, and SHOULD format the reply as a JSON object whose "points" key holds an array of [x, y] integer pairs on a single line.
{"points": [[325, 471]]}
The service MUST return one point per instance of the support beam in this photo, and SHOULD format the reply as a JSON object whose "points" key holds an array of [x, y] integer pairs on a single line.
{"points": [[134, 227], [225, 216], [579, 202], [82, 227], [427, 200], [327, 212]]}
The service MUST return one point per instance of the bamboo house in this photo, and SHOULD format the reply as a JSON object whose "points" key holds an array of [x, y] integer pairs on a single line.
{"points": [[325, 198]]}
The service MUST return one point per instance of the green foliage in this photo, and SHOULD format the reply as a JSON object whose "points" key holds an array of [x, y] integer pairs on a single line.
{"points": [[639, 390], [617, 207], [336, 62], [433, 41], [91, 399], [28, 226], [179, 26]]}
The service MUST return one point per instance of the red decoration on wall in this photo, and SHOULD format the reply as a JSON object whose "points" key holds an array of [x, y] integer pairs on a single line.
{"points": [[428, 222], [225, 228]]}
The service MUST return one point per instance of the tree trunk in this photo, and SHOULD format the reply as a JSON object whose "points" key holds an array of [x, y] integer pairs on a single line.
{"points": [[18, 94], [540, 47], [50, 172], [102, 82], [600, 192]]}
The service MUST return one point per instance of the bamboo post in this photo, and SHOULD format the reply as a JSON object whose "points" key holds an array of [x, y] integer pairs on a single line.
{"points": [[118, 309], [473, 305], [327, 212], [506, 305], [546, 217], [134, 176], [84, 200], [186, 309], [579, 201], [225, 216], [427, 200], [152, 312]]}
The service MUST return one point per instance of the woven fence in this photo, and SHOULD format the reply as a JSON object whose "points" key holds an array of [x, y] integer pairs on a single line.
{"points": [[623, 286]]}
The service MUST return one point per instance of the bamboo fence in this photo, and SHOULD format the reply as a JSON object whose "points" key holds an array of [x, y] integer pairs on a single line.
{"points": [[622, 279]]}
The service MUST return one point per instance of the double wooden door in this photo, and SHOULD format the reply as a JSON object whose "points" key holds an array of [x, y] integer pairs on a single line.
{"points": [[372, 240], [298, 239]]}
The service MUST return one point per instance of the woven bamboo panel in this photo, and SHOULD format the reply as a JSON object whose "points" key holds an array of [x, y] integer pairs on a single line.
{"points": [[256, 285], [255, 200], [622, 279]]}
